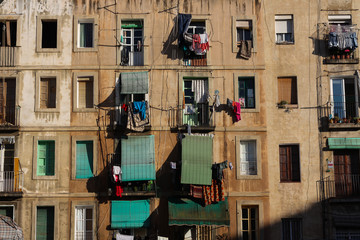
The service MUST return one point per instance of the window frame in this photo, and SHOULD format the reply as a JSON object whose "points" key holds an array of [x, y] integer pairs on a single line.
{"points": [[235, 48], [18, 27], [257, 140], [39, 76], [289, 104], [76, 76], [236, 76], [11, 205], [145, 18], [39, 36], [250, 203], [86, 19], [289, 162], [74, 139], [35, 157], [291, 221], [46, 203], [81, 203], [285, 17]]}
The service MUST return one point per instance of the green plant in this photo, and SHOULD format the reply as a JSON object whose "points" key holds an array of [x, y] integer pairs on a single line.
{"points": [[282, 104]]}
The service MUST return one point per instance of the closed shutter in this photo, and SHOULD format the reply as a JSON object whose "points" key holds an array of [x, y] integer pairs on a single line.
{"points": [[46, 158], [84, 159], [284, 173], [86, 92], [287, 89], [47, 92], [45, 223]]}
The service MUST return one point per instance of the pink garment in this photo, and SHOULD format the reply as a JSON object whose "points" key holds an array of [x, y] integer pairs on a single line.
{"points": [[237, 111]]}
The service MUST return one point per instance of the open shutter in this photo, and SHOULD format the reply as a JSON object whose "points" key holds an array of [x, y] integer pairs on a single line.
{"points": [[41, 159], [45, 223], [84, 159], [283, 150], [44, 91]]}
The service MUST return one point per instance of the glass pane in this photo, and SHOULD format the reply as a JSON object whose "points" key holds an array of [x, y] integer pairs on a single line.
{"points": [[245, 225], [188, 93], [244, 213], [253, 235], [137, 33], [253, 212], [138, 97], [245, 236], [187, 84], [253, 224]]}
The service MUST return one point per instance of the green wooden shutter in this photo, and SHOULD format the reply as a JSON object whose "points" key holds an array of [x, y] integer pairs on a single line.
{"points": [[46, 158], [45, 223], [84, 159]]}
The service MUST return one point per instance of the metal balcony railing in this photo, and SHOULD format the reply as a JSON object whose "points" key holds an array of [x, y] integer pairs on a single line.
{"points": [[134, 58], [347, 107], [340, 186], [11, 181], [195, 61], [203, 116], [7, 56], [9, 116]]}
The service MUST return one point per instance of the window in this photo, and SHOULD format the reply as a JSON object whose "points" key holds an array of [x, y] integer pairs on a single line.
{"points": [[196, 27], [48, 34], [83, 222], [195, 56], [284, 29], [86, 33], [7, 168], [339, 19], [344, 98], [291, 229], [289, 163], [7, 210], [45, 158], [45, 222], [47, 92], [85, 92], [8, 30], [243, 30], [132, 43], [248, 158], [250, 223], [84, 159], [247, 92], [287, 90], [349, 233], [7, 100]]}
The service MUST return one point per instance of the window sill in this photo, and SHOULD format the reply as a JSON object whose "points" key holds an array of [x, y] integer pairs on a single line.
{"points": [[93, 49], [249, 177], [284, 43], [48, 50], [47, 110], [84, 110], [288, 106], [250, 110], [45, 177], [290, 181]]}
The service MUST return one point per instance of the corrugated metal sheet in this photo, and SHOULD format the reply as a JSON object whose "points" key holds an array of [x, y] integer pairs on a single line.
{"points": [[186, 212], [197, 157], [344, 143], [134, 82], [138, 158], [130, 214]]}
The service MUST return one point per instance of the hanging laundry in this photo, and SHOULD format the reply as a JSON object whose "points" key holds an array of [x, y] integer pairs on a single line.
{"points": [[217, 170], [134, 121], [237, 111], [214, 193], [125, 107], [119, 190], [196, 191], [140, 107], [245, 49], [183, 25], [124, 237], [116, 170], [229, 103]]}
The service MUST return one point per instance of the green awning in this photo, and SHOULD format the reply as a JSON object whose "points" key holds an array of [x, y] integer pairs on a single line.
{"points": [[138, 158], [131, 24], [130, 214], [197, 157], [344, 143], [134, 83], [186, 212]]}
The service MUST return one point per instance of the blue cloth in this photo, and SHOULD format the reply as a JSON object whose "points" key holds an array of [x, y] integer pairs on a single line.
{"points": [[183, 25], [140, 107]]}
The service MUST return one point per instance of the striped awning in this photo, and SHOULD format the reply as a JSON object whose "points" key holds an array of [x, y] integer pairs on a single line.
{"points": [[197, 157], [344, 143], [138, 158], [130, 214], [134, 83]]}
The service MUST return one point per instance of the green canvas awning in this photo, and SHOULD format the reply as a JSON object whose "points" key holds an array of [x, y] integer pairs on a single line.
{"points": [[134, 83], [186, 212], [344, 143], [197, 157], [131, 24], [130, 214], [138, 158]]}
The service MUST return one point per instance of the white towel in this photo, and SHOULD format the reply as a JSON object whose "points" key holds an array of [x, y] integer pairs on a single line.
{"points": [[123, 237], [203, 38]]}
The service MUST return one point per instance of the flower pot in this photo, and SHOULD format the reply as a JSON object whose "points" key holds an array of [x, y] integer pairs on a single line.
{"points": [[343, 56], [347, 56], [337, 56]]}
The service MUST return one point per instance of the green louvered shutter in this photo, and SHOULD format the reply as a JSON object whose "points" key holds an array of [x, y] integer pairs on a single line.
{"points": [[130, 214], [45, 223], [46, 158], [84, 159]]}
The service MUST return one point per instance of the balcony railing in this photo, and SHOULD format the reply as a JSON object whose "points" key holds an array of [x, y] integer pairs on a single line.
{"points": [[203, 116], [342, 58], [195, 61], [7, 56], [134, 58], [9, 116], [339, 186], [11, 182]]}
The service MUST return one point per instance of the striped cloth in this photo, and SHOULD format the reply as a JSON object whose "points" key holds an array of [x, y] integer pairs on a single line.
{"points": [[9, 229]]}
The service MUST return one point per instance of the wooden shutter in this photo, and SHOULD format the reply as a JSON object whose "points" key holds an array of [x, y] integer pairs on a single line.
{"points": [[84, 159], [287, 89], [284, 163], [2, 100], [45, 223], [46, 158], [41, 159], [47, 92], [86, 92]]}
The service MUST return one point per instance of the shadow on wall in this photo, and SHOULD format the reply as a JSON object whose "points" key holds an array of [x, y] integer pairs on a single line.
{"points": [[169, 47], [319, 47]]}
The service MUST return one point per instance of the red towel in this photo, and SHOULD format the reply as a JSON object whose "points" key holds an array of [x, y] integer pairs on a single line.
{"points": [[237, 111]]}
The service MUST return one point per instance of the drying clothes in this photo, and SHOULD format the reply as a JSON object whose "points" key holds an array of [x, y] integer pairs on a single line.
{"points": [[140, 107], [189, 109], [200, 90], [217, 170], [183, 25], [125, 56], [196, 191], [237, 111], [125, 107], [231, 165], [119, 190], [173, 165], [214, 193], [199, 44], [134, 121], [204, 41], [245, 49], [124, 237], [117, 173], [229, 103], [342, 37]]}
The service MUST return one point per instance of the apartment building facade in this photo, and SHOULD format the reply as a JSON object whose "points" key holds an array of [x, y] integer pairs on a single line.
{"points": [[115, 113]]}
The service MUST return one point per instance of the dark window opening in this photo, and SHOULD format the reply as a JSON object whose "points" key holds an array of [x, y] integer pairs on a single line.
{"points": [[289, 163], [247, 92], [8, 33], [49, 34]]}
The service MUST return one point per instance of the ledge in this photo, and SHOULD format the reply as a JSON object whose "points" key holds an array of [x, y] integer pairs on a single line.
{"points": [[344, 125], [341, 61], [11, 194]]}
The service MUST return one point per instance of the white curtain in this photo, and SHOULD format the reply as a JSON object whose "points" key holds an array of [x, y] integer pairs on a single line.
{"points": [[200, 90]]}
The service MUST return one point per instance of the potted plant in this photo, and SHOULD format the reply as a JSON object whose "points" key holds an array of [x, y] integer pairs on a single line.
{"points": [[356, 120], [336, 119], [282, 104]]}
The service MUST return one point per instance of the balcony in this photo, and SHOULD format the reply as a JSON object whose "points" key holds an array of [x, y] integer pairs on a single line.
{"points": [[202, 118], [9, 117], [196, 61], [8, 56], [340, 186], [11, 183], [342, 58], [132, 58]]}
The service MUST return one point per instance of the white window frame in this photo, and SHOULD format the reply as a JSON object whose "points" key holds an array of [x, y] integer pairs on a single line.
{"points": [[136, 58], [82, 204], [83, 231], [245, 157], [257, 140], [13, 209], [250, 203], [77, 75], [85, 19], [342, 19], [284, 18]]}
